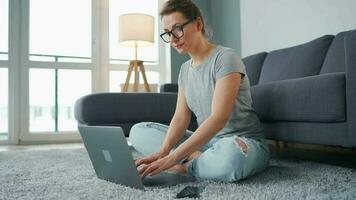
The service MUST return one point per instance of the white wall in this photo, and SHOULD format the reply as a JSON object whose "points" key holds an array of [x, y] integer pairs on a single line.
{"points": [[273, 24]]}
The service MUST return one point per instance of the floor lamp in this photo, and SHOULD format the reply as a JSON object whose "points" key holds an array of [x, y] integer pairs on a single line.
{"points": [[136, 30]]}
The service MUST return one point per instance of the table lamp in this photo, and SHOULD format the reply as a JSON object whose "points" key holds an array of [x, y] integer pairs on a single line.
{"points": [[136, 30]]}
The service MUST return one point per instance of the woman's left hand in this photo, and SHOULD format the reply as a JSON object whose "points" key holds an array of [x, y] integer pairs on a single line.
{"points": [[157, 166]]}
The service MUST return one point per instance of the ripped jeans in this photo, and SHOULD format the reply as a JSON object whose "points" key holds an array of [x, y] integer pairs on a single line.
{"points": [[223, 158]]}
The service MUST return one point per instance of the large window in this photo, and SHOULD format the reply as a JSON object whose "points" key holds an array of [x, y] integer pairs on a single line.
{"points": [[4, 46], [118, 78], [3, 104], [118, 7], [4, 29], [52, 96], [119, 53], [42, 100], [52, 52], [60, 30]]}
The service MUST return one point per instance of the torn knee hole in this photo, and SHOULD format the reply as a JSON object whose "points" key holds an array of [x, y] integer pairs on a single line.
{"points": [[242, 145]]}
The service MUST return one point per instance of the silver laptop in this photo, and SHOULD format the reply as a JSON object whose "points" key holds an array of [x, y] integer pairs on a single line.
{"points": [[112, 159]]}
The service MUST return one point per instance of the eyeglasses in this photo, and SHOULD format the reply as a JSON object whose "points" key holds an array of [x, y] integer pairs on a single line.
{"points": [[177, 32]]}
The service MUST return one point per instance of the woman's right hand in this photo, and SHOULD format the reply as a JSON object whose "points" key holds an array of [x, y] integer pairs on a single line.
{"points": [[151, 158]]}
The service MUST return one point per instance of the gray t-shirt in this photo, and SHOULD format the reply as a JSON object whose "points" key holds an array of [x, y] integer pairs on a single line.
{"points": [[198, 84]]}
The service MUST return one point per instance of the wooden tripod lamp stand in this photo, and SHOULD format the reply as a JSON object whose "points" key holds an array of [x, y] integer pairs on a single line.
{"points": [[136, 30]]}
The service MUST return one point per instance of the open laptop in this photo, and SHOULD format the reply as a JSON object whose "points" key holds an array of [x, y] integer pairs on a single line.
{"points": [[112, 159]]}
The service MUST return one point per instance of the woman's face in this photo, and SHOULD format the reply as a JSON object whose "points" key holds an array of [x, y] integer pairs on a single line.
{"points": [[183, 44]]}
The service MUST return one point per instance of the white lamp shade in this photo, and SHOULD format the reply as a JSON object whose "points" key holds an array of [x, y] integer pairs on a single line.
{"points": [[136, 29]]}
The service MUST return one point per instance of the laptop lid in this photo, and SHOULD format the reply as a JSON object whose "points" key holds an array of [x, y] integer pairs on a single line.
{"points": [[110, 155]]}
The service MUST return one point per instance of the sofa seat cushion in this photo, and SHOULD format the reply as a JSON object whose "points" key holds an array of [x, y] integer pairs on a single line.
{"points": [[318, 98], [295, 62]]}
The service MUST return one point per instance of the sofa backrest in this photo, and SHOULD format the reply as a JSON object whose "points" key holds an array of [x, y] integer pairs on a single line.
{"points": [[253, 66], [335, 58], [295, 62]]}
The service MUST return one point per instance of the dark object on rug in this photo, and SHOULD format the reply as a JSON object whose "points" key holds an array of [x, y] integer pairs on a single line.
{"points": [[190, 192]]}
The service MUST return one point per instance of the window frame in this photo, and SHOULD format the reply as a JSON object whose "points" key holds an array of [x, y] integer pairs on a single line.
{"points": [[24, 134], [6, 64]]}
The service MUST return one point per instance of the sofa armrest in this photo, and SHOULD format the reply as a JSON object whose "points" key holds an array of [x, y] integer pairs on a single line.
{"points": [[350, 62], [127, 109], [169, 87], [116, 108]]}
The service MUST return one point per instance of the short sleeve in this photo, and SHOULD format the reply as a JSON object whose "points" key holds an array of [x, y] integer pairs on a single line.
{"points": [[180, 76], [228, 62]]}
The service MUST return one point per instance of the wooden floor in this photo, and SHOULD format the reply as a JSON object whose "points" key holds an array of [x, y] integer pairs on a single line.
{"points": [[23, 147], [40, 147]]}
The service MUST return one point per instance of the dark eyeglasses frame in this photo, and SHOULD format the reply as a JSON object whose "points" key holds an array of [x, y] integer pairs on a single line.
{"points": [[170, 33]]}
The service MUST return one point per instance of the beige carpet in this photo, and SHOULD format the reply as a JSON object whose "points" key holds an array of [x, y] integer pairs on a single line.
{"points": [[68, 174]]}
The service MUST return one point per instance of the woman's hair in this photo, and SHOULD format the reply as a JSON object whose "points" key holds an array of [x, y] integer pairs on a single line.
{"points": [[185, 7]]}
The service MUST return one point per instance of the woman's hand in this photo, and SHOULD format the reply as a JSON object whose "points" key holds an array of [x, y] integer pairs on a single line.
{"points": [[157, 166], [151, 158]]}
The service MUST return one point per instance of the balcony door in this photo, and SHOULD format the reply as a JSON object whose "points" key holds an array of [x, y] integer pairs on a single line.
{"points": [[53, 52], [4, 71]]}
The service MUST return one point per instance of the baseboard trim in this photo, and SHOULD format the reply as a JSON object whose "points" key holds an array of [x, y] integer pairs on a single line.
{"points": [[340, 156], [315, 147]]}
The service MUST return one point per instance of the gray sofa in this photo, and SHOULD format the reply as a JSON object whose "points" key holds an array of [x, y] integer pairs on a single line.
{"points": [[303, 94]]}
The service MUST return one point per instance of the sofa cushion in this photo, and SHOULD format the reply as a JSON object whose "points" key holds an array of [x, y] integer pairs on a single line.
{"points": [[295, 62], [253, 66], [319, 98], [335, 58]]}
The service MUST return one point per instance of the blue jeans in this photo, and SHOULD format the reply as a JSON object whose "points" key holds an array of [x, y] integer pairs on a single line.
{"points": [[223, 159]]}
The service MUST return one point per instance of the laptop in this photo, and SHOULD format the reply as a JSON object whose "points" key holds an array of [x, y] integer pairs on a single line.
{"points": [[112, 160]]}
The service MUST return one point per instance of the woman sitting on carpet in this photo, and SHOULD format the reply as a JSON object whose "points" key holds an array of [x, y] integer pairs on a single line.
{"points": [[229, 143]]}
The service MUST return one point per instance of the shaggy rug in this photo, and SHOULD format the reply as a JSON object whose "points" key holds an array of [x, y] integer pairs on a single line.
{"points": [[68, 174]]}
